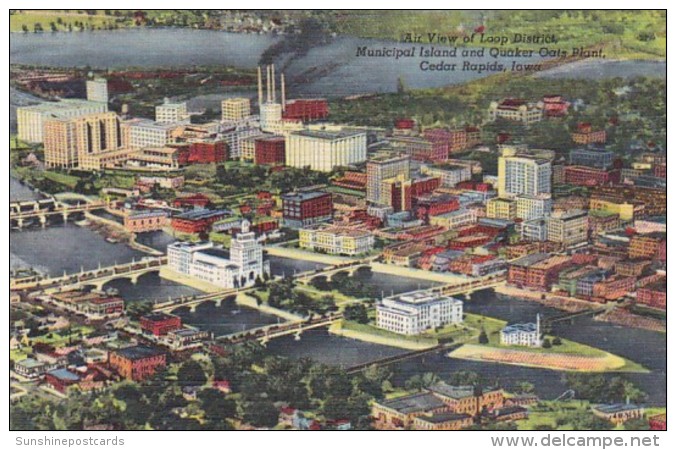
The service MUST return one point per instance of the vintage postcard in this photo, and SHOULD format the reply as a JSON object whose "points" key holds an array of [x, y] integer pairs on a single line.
{"points": [[337, 220]]}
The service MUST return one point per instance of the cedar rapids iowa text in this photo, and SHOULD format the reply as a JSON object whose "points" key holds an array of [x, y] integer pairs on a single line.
{"points": [[423, 51]]}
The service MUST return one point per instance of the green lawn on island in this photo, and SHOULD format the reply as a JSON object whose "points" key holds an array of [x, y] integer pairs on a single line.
{"points": [[375, 331]]}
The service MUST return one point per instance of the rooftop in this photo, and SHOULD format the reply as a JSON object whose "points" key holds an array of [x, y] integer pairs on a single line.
{"points": [[456, 392], [414, 403], [444, 417], [616, 407], [139, 352], [328, 135], [64, 374], [304, 195], [202, 214]]}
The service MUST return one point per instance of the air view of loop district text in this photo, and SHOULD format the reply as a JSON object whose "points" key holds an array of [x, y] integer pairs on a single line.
{"points": [[337, 220]]}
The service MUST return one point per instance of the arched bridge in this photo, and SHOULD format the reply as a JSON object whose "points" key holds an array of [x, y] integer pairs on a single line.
{"points": [[96, 277]]}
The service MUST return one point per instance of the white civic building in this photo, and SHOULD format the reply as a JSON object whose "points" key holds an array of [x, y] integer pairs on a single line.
{"points": [[414, 312], [206, 262], [524, 334]]}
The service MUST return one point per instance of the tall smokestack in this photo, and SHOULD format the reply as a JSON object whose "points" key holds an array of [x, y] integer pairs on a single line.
{"points": [[274, 94], [283, 93], [269, 86], [260, 87]]}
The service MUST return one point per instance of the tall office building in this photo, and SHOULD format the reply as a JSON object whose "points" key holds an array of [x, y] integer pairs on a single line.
{"points": [[97, 90], [382, 167], [235, 108], [568, 227], [520, 174], [30, 119], [67, 141]]}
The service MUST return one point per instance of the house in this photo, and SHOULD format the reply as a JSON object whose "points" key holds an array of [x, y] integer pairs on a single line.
{"points": [[510, 413], [618, 413], [61, 379], [442, 422], [400, 412]]}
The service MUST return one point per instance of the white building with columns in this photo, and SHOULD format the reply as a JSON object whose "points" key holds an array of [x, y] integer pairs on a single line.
{"points": [[414, 312]]}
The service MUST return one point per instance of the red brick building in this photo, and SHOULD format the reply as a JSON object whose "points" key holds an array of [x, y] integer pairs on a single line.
{"points": [[137, 363], [191, 201], [660, 170], [159, 323], [306, 109], [537, 271], [653, 295], [270, 150], [351, 180], [589, 176], [197, 221], [204, 152], [61, 379], [306, 207], [432, 205], [614, 287]]}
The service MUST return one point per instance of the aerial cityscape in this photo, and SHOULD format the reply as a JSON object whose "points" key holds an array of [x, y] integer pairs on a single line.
{"points": [[337, 220]]}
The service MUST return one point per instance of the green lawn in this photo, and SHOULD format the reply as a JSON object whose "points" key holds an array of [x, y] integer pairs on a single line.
{"points": [[61, 178]]}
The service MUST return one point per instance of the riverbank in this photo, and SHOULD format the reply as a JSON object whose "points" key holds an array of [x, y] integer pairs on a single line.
{"points": [[387, 269], [115, 230], [617, 316], [544, 359], [372, 335], [171, 275], [243, 299]]}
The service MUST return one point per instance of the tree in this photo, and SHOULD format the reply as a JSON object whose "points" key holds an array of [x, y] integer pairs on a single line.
{"points": [[191, 373], [546, 343], [636, 425], [464, 378], [556, 341], [260, 413], [524, 387], [356, 312], [483, 337], [216, 406]]}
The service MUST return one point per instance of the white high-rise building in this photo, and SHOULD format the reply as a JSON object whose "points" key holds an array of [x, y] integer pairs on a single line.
{"points": [[97, 90], [325, 150], [523, 174], [169, 112], [529, 208], [206, 262], [414, 312]]}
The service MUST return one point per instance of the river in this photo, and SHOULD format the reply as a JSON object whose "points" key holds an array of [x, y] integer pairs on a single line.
{"points": [[330, 68], [67, 247]]}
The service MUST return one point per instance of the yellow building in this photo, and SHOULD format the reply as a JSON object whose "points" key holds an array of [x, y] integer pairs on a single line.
{"points": [[336, 240], [625, 210], [501, 208], [67, 140], [235, 108]]}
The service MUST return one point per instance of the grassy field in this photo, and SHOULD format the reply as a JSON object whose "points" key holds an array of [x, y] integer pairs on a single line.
{"points": [[63, 21]]}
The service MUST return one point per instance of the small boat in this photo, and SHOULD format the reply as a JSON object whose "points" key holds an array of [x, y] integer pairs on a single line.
{"points": [[235, 311], [112, 240]]}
